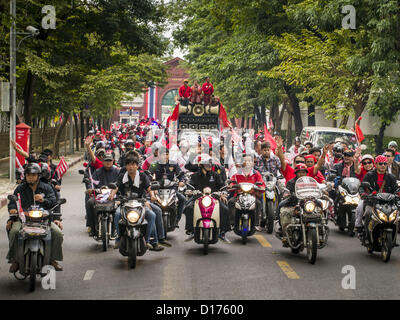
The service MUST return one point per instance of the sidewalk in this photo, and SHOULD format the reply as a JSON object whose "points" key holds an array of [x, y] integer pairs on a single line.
{"points": [[6, 187]]}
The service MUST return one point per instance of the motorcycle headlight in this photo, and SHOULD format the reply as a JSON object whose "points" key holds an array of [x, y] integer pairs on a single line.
{"points": [[206, 202], [246, 187], [342, 191], [382, 216], [133, 216], [393, 216], [35, 214], [309, 206]]}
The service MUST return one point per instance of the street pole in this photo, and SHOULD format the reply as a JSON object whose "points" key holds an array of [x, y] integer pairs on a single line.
{"points": [[71, 134], [13, 85]]}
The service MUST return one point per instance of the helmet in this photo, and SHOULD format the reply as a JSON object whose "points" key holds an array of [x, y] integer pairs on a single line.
{"points": [[367, 156], [205, 159], [100, 144], [32, 168], [129, 142], [297, 139], [300, 167], [308, 142], [101, 150], [392, 144], [337, 148], [45, 170]]}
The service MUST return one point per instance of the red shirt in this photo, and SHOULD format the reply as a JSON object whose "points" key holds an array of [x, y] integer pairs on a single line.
{"points": [[289, 174], [185, 92], [97, 164], [138, 145], [362, 174], [380, 180], [253, 177], [207, 88]]}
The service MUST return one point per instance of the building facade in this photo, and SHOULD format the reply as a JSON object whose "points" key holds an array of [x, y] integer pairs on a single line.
{"points": [[157, 102]]}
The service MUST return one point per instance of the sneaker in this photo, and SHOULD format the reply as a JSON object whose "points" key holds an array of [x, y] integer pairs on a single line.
{"points": [[190, 238], [56, 266], [223, 237], [149, 246], [259, 229], [164, 243], [14, 267], [156, 247]]}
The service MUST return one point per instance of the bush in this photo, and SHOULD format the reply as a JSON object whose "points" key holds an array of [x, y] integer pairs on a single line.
{"points": [[370, 143]]}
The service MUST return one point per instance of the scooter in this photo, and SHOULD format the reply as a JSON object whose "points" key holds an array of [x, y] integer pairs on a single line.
{"points": [[133, 226], [270, 203], [34, 242], [206, 216]]}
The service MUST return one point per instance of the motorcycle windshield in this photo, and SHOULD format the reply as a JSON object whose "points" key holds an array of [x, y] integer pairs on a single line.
{"points": [[351, 185], [307, 187]]}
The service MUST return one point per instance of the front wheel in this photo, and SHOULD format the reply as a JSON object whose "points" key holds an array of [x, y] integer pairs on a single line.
{"points": [[245, 227], [33, 271], [165, 223], [386, 246], [104, 234], [270, 216], [312, 245], [206, 237], [132, 253]]}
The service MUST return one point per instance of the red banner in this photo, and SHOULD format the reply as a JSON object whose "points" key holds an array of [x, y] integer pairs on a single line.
{"points": [[22, 134]]}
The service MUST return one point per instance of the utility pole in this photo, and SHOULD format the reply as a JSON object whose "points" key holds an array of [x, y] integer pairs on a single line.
{"points": [[71, 134], [13, 86]]}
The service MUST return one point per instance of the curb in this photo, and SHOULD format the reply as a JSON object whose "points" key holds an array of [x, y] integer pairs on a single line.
{"points": [[4, 200]]}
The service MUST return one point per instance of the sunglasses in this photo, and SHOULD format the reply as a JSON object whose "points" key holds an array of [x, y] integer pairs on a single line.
{"points": [[366, 162], [299, 161], [388, 155], [382, 163]]}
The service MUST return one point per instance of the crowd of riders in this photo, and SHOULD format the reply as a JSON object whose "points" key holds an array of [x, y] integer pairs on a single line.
{"points": [[133, 156]]}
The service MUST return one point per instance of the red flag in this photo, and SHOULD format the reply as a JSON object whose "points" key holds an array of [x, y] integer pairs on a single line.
{"points": [[359, 132], [62, 168], [174, 116], [268, 138], [224, 117]]}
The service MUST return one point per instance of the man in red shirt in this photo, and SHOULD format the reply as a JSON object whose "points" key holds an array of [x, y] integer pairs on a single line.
{"points": [[96, 163], [247, 174], [208, 90], [185, 93]]}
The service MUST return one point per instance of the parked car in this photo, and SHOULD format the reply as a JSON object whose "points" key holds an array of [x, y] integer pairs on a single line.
{"points": [[319, 136]]}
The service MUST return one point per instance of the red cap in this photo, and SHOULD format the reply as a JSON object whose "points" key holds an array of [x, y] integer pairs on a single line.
{"points": [[300, 166]]}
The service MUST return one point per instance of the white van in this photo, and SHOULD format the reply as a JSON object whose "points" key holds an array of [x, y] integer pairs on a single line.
{"points": [[320, 136]]}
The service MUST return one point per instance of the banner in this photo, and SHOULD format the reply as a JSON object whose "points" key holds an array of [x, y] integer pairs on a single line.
{"points": [[22, 133], [61, 169]]}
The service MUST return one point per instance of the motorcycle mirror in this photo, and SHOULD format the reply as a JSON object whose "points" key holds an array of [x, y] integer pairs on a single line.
{"points": [[85, 164], [363, 147], [365, 185], [12, 197], [62, 201], [258, 183], [81, 171]]}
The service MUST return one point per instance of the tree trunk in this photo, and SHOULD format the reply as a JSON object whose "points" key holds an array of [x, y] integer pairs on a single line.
{"points": [[82, 135], [76, 132], [233, 121], [278, 125], [248, 123], [289, 131], [263, 120], [295, 106], [242, 123], [57, 137], [257, 116], [42, 132], [334, 121], [311, 115], [28, 97], [379, 139], [344, 121]]}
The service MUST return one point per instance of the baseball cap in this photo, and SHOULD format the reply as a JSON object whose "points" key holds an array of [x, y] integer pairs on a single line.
{"points": [[108, 156]]}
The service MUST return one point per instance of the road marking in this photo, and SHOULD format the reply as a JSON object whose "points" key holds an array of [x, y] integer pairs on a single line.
{"points": [[88, 275], [263, 241], [287, 269]]}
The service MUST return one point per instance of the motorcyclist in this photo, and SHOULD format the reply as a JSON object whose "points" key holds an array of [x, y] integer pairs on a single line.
{"points": [[205, 177], [101, 177], [137, 182], [163, 170], [247, 174], [129, 145], [32, 191], [286, 207], [349, 167], [393, 166], [294, 150], [380, 181], [393, 145], [267, 162]]}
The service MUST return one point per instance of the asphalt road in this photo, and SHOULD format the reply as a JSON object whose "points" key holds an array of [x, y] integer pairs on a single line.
{"points": [[262, 269]]}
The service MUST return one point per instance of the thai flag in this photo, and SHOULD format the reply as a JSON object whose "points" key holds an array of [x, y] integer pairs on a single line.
{"points": [[61, 168], [150, 101]]}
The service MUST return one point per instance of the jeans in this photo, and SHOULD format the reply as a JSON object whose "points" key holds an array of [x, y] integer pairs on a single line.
{"points": [[154, 223], [359, 213], [181, 204]]}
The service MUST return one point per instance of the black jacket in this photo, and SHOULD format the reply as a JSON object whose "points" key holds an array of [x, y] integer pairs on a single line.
{"points": [[125, 184], [169, 170], [105, 176], [389, 180], [27, 200], [211, 179], [339, 169]]}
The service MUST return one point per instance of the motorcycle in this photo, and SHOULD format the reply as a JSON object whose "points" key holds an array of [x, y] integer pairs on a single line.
{"points": [[105, 211], [346, 202], [133, 226], [206, 216], [245, 210], [167, 200], [381, 231], [270, 203], [34, 242], [307, 226]]}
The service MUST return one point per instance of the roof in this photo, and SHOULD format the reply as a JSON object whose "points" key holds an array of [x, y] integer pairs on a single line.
{"points": [[173, 61], [328, 129]]}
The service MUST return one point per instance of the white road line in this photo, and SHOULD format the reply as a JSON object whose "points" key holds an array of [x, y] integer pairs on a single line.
{"points": [[88, 275]]}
